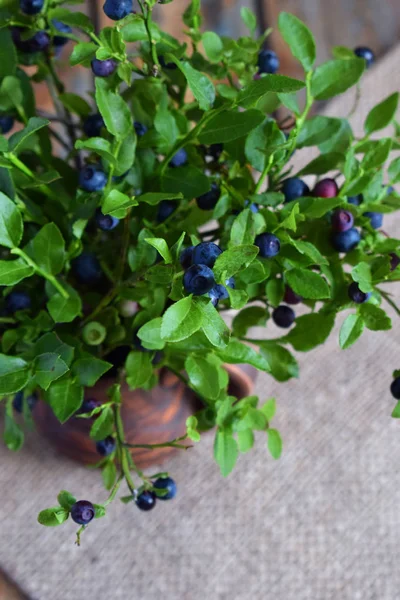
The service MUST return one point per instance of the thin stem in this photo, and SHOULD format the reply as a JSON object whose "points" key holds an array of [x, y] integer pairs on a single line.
{"points": [[125, 245], [41, 272], [78, 534], [114, 490], [388, 299], [172, 444], [264, 173], [59, 139], [147, 14], [123, 452]]}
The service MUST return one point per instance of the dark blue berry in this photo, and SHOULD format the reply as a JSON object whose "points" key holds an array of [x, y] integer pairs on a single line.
{"points": [[390, 190], [82, 512], [31, 7], [171, 66], [231, 283], [269, 245], [179, 159], [356, 200], [217, 293], [92, 178], [394, 261], [39, 42], [208, 200], [283, 316], [344, 241], [166, 483], [60, 40], [395, 388], [93, 125], [366, 53], [146, 500], [18, 401], [356, 295], [326, 188], [117, 9], [140, 128], [206, 253], [215, 150], [375, 218], [88, 405], [105, 222], [17, 301], [6, 123], [106, 447], [165, 209], [103, 68], [294, 188], [86, 268], [186, 257], [198, 280], [342, 220], [291, 297], [268, 62]]}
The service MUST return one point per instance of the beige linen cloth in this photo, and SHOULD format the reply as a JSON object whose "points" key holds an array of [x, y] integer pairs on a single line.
{"points": [[323, 523]]}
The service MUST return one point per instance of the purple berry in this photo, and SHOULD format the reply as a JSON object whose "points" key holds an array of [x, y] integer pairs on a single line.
{"points": [[82, 512], [88, 405], [342, 220], [105, 222], [326, 188], [103, 68], [269, 245], [291, 297], [394, 261], [356, 295], [268, 62], [146, 500], [283, 316], [106, 447]]}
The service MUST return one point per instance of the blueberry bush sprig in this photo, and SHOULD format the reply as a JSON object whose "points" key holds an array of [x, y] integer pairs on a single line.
{"points": [[133, 217]]}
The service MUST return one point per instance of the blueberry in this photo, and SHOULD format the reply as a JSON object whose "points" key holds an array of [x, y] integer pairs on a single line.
{"points": [[146, 500], [294, 188], [117, 9], [344, 241], [171, 66], [88, 405], [326, 188], [395, 388], [166, 483], [186, 257], [215, 151], [217, 293], [179, 159], [375, 218], [86, 268], [39, 42], [105, 222], [18, 401], [92, 178], [31, 7], [103, 68], [268, 62], [390, 190], [269, 245], [17, 301], [106, 447], [208, 200], [139, 128], [82, 512], [206, 253], [198, 280], [283, 316], [356, 200], [342, 220], [356, 295], [93, 125], [366, 53], [60, 40], [230, 282], [291, 297], [6, 123], [394, 261], [165, 210]]}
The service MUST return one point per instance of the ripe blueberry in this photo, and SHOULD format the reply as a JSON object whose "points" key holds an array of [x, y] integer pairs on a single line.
{"points": [[186, 257], [6, 123], [146, 500], [165, 209], [179, 159], [31, 7], [208, 200], [394, 261], [326, 188], [294, 188], [198, 280], [106, 447], [18, 401], [93, 125], [344, 241], [88, 405], [17, 301], [105, 222], [217, 293], [342, 220], [92, 178], [139, 128], [82, 512], [269, 245], [283, 316], [356, 200], [230, 282], [215, 150], [117, 9], [171, 66], [60, 40], [291, 297], [356, 295], [39, 42], [206, 253], [375, 218], [103, 68], [366, 53], [86, 268], [267, 62], [166, 483], [395, 388]]}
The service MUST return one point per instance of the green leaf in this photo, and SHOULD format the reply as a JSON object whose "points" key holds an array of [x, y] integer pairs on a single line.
{"points": [[114, 110], [203, 376], [335, 77], [191, 17], [103, 425], [230, 125], [65, 310], [212, 324], [394, 170], [251, 316], [51, 517], [374, 317], [396, 411], [18, 139], [382, 114], [161, 245], [307, 284], [254, 91], [282, 363], [11, 226], [75, 104], [274, 443], [8, 54], [269, 409], [65, 398], [116, 203], [181, 320], [202, 88], [154, 198], [13, 435], [377, 155], [309, 250], [48, 249], [350, 331], [89, 370], [213, 46], [233, 260], [299, 39], [239, 353], [135, 30], [275, 289], [225, 451], [74, 19], [150, 334], [98, 145], [187, 181], [66, 500], [50, 342], [252, 419], [109, 475], [139, 369], [82, 53], [245, 440], [310, 331], [322, 164], [14, 374], [317, 130], [49, 367], [362, 274], [14, 271]]}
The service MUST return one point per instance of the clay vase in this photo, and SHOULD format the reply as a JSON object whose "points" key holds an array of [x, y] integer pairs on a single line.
{"points": [[150, 417]]}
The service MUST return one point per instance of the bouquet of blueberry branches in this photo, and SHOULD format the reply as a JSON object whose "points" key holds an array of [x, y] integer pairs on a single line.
{"points": [[131, 218]]}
